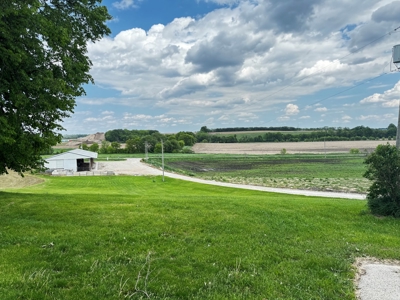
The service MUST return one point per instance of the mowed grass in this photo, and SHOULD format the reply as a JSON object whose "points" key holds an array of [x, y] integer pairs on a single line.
{"points": [[141, 238], [331, 172]]}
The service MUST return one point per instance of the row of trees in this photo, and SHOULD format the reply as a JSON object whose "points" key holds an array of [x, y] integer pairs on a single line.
{"points": [[327, 134], [136, 141], [233, 129]]}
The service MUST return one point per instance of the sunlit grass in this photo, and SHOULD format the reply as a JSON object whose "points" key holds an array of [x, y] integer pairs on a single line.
{"points": [[90, 238], [330, 172]]}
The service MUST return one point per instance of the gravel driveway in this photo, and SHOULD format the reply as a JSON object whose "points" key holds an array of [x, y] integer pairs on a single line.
{"points": [[134, 166]]}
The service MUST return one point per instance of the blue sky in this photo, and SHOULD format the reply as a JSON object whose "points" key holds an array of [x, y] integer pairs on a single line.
{"points": [[181, 64]]}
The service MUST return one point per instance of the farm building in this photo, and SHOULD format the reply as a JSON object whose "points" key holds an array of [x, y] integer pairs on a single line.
{"points": [[73, 160]]}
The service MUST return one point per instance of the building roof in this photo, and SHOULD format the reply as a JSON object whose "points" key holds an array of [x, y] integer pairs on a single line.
{"points": [[74, 154]]}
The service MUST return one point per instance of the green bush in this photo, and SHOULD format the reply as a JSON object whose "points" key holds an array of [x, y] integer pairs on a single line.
{"points": [[187, 150], [383, 168], [354, 151], [283, 151]]}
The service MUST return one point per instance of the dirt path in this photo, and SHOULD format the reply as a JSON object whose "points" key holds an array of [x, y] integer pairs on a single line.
{"points": [[134, 166]]}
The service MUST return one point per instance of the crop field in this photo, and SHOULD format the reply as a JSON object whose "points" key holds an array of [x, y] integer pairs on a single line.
{"points": [[291, 147], [253, 134], [128, 237], [331, 172]]}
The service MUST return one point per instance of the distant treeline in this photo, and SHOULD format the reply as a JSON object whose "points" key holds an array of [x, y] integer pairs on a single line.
{"points": [[73, 136], [233, 129], [319, 134], [136, 140]]}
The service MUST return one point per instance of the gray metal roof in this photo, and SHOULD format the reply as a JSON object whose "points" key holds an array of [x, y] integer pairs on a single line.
{"points": [[74, 154]]}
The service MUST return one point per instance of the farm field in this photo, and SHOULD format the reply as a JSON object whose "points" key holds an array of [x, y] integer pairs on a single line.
{"points": [[126, 237], [291, 147], [257, 133], [331, 172]]}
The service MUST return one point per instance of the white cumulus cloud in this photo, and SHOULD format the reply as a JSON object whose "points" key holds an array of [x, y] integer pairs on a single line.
{"points": [[389, 98], [124, 4], [292, 109]]}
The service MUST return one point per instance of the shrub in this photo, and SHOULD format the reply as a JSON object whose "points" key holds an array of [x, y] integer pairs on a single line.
{"points": [[383, 168], [354, 151], [187, 150], [283, 151]]}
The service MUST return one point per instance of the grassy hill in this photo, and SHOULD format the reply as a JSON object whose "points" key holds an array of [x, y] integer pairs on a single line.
{"points": [[138, 237]]}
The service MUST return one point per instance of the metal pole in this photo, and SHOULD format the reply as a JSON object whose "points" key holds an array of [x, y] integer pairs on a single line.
{"points": [[162, 159], [398, 130]]}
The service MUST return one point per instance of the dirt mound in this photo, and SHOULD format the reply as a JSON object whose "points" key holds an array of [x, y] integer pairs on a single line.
{"points": [[88, 140], [93, 138], [14, 180]]}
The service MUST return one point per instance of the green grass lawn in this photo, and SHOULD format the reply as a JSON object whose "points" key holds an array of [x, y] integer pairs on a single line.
{"points": [[331, 172], [138, 238]]}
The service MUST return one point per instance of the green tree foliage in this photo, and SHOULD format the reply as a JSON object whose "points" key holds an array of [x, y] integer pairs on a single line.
{"points": [[133, 145], [104, 147], [186, 136], [123, 135], [94, 147], [115, 147], [383, 168], [204, 129], [43, 64], [277, 134]]}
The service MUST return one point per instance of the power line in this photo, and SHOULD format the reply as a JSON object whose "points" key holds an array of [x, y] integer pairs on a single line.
{"points": [[341, 58], [350, 88]]}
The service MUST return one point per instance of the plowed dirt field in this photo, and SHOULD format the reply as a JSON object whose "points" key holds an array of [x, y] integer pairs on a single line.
{"points": [[274, 148]]}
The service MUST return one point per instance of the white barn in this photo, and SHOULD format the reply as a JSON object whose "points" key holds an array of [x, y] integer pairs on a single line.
{"points": [[73, 160]]}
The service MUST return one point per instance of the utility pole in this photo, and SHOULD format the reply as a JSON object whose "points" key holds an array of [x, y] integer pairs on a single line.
{"points": [[146, 150], [396, 61], [162, 158], [398, 130]]}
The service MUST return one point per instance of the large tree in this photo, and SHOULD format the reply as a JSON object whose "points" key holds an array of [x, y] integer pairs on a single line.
{"points": [[43, 64]]}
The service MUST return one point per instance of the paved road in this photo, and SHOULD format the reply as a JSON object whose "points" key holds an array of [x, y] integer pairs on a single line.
{"points": [[134, 166]]}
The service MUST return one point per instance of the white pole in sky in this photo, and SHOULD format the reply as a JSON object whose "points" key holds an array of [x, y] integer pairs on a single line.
{"points": [[398, 130], [162, 158]]}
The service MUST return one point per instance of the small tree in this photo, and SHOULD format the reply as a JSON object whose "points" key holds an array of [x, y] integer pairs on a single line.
{"points": [[115, 147], [104, 147], [94, 147], [383, 168]]}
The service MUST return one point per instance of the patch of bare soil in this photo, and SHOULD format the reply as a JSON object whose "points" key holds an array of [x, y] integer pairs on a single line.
{"points": [[88, 140], [14, 180], [93, 138], [291, 147]]}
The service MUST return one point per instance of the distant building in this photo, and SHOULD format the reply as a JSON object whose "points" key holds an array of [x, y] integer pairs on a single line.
{"points": [[73, 160]]}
